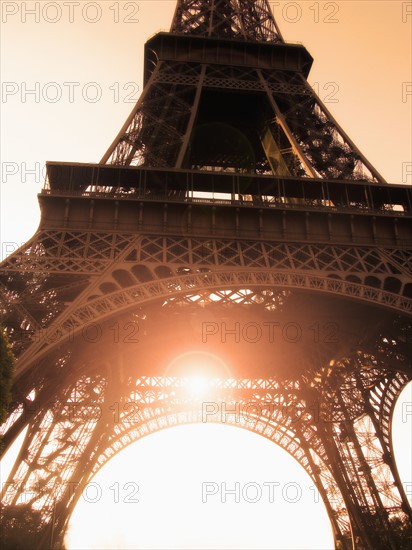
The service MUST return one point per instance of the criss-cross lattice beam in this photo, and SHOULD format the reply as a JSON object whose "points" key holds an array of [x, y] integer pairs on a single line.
{"points": [[67, 279], [238, 19], [79, 425], [160, 127]]}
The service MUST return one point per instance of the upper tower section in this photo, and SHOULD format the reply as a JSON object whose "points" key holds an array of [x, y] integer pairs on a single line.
{"points": [[235, 19], [224, 93]]}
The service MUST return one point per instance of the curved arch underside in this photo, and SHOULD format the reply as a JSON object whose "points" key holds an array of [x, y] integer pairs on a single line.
{"points": [[53, 291], [101, 308], [78, 425], [300, 336]]}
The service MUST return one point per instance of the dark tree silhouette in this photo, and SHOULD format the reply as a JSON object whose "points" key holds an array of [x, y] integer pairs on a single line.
{"points": [[403, 533], [6, 374], [21, 527]]}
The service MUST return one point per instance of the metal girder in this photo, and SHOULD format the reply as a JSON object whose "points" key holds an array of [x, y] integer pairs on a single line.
{"points": [[89, 413], [67, 278], [226, 19], [155, 137]]}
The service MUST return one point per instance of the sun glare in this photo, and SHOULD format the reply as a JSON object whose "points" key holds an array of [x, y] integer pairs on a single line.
{"points": [[198, 365], [198, 385], [201, 487], [198, 370], [208, 486]]}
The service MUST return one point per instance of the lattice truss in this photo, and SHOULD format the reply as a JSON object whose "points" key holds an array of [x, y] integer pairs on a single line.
{"points": [[311, 143], [62, 280], [105, 275], [102, 275], [120, 272], [163, 121], [49, 272], [226, 19], [330, 423]]}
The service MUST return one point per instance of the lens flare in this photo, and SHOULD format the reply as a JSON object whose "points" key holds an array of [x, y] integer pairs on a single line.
{"points": [[198, 385], [198, 371]]}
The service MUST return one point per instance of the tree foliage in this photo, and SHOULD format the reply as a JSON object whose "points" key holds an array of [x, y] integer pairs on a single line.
{"points": [[6, 374], [24, 528], [21, 527], [402, 531]]}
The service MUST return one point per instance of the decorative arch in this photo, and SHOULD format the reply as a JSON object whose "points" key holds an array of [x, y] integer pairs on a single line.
{"points": [[287, 415], [104, 307], [314, 465]]}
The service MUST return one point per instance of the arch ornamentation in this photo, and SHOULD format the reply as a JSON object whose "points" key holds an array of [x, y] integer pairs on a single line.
{"points": [[104, 307]]}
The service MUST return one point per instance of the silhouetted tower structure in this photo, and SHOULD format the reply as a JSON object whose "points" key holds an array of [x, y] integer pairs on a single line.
{"points": [[231, 203]]}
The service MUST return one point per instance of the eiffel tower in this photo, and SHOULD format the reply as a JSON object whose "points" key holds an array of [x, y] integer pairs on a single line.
{"points": [[231, 209]]}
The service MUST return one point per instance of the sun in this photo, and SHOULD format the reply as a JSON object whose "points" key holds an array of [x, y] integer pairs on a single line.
{"points": [[198, 385], [198, 371]]}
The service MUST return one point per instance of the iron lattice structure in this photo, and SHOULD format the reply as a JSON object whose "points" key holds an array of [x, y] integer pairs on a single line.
{"points": [[230, 200]]}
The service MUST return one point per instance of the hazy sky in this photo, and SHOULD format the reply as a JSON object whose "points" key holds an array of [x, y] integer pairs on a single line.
{"points": [[362, 52], [182, 479]]}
